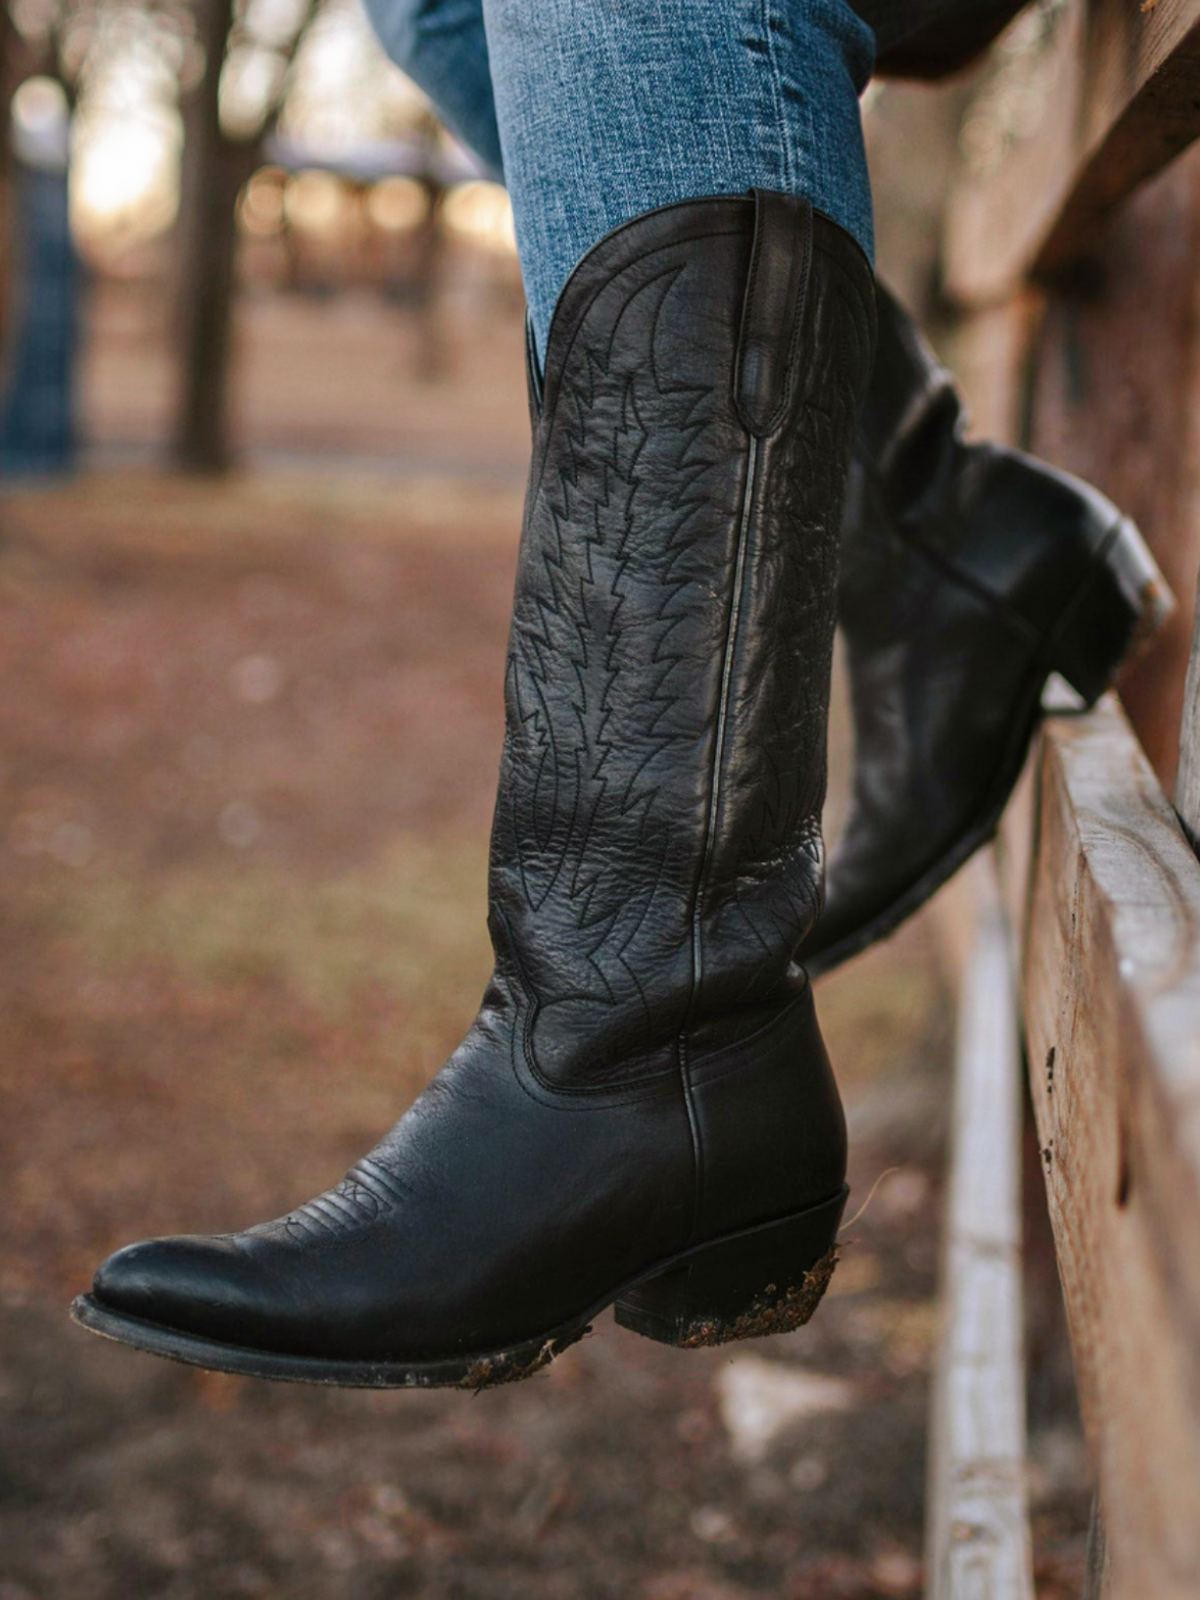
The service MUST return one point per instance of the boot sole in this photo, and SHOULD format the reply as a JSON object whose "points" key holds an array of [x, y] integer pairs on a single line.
{"points": [[1124, 596], [762, 1280]]}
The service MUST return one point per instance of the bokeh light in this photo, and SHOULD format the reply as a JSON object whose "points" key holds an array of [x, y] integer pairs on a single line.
{"points": [[315, 201], [40, 119], [481, 213], [396, 204], [124, 175], [260, 209]]}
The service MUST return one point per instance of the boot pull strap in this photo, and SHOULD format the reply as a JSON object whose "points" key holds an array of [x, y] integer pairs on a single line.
{"points": [[773, 310]]}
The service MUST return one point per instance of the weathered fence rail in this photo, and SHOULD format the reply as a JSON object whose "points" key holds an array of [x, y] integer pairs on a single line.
{"points": [[1117, 84], [978, 1536], [1110, 990]]}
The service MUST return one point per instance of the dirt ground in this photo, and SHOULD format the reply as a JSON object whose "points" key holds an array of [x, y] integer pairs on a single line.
{"points": [[248, 737]]}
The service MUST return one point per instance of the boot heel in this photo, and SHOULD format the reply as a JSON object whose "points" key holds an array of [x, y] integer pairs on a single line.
{"points": [[1118, 610], [768, 1279]]}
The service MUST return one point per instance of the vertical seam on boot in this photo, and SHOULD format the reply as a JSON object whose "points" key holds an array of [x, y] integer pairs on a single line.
{"points": [[714, 805]]}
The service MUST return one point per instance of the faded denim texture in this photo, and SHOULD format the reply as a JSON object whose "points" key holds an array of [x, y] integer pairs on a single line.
{"points": [[594, 111]]}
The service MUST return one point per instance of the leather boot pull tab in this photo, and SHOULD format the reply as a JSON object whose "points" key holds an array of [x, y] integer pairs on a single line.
{"points": [[773, 311]]}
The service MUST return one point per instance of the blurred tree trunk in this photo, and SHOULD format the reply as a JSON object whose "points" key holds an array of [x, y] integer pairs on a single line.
{"points": [[10, 51], [214, 169]]}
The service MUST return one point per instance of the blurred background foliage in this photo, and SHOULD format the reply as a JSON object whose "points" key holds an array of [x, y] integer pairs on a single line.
{"points": [[225, 146]]}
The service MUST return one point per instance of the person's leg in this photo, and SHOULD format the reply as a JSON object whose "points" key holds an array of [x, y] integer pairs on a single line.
{"points": [[442, 47], [929, 713], [607, 111], [790, 63], [643, 1113]]}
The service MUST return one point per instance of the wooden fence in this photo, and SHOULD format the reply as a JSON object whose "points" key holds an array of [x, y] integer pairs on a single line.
{"points": [[1071, 254]]}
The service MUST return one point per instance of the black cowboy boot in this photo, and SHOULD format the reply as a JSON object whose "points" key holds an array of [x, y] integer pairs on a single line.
{"points": [[970, 573], [643, 1111]]}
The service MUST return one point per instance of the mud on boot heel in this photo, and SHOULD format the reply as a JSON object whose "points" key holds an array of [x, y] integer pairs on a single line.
{"points": [[1118, 610], [768, 1279]]}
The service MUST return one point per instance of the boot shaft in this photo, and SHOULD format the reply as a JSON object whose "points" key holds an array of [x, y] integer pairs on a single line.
{"points": [[998, 521], [656, 848]]}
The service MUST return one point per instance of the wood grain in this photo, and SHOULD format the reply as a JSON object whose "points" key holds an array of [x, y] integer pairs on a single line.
{"points": [[1187, 789], [1118, 99], [1116, 399], [1111, 996], [978, 1541]]}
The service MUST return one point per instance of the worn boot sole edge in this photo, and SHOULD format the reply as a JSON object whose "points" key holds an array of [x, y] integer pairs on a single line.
{"points": [[507, 1364], [1128, 551]]}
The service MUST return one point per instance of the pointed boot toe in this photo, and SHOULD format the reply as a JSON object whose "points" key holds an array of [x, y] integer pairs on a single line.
{"points": [[196, 1285]]}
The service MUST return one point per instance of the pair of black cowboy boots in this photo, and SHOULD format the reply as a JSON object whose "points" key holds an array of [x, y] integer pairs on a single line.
{"points": [[643, 1114]]}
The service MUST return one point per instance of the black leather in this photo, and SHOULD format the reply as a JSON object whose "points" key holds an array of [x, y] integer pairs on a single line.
{"points": [[946, 38], [773, 312], [646, 1071], [959, 563]]}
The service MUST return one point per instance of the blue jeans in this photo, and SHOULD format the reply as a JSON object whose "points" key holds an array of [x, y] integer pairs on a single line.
{"points": [[594, 111]]}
